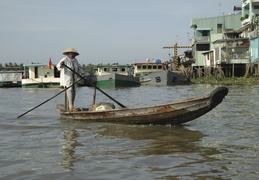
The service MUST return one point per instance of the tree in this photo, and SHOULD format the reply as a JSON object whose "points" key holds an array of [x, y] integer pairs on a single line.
{"points": [[21, 66], [89, 68]]}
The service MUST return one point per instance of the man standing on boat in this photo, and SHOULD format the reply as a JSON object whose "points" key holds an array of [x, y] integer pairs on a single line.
{"points": [[67, 77]]}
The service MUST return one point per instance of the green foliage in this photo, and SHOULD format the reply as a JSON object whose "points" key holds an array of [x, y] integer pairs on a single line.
{"points": [[244, 17], [11, 66], [88, 68], [234, 80]]}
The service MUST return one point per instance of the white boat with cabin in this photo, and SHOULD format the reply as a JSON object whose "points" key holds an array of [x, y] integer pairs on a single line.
{"points": [[41, 76]]}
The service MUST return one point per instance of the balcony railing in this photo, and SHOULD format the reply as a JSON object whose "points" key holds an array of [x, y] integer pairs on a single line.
{"points": [[235, 58], [254, 33], [202, 39]]}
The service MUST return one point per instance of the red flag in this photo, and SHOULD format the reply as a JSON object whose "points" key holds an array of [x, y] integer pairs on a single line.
{"points": [[50, 63]]}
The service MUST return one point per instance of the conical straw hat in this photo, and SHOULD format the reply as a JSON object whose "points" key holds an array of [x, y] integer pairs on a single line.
{"points": [[72, 50]]}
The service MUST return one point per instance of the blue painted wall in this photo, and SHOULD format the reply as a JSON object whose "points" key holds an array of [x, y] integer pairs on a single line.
{"points": [[254, 44]]}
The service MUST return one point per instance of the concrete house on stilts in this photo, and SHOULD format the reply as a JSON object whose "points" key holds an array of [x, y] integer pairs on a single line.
{"points": [[227, 45]]}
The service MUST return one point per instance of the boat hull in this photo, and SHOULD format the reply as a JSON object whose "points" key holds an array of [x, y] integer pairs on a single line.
{"points": [[41, 85], [164, 78], [170, 113], [115, 80], [11, 84]]}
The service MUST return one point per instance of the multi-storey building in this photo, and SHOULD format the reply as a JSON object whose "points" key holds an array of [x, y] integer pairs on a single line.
{"points": [[228, 41], [250, 22]]}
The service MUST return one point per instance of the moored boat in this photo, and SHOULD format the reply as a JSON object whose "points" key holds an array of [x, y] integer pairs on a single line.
{"points": [[114, 75], [169, 113], [41, 76], [157, 74], [10, 78]]}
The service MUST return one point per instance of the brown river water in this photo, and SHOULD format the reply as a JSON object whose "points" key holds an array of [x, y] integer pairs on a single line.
{"points": [[222, 144]]}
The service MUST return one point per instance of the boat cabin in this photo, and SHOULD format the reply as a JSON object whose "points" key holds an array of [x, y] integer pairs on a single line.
{"points": [[142, 69], [113, 68], [10, 78], [41, 76]]}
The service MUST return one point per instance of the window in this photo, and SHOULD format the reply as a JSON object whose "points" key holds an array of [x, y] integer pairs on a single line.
{"points": [[206, 33], [114, 69], [123, 69], [160, 67], [203, 47], [36, 71], [144, 67], [154, 67], [219, 28], [56, 72], [106, 69], [149, 67]]}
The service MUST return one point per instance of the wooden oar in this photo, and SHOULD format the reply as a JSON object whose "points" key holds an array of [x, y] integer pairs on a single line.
{"points": [[48, 99], [96, 87], [94, 97]]}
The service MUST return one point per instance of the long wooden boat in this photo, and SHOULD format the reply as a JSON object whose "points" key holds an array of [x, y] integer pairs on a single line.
{"points": [[169, 113]]}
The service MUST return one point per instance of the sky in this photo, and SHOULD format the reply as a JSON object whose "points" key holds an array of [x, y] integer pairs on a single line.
{"points": [[102, 31]]}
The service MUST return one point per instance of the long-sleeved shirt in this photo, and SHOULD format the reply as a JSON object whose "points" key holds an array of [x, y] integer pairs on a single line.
{"points": [[67, 77]]}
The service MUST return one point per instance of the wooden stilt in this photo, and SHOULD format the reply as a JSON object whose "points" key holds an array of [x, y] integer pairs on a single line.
{"points": [[233, 70]]}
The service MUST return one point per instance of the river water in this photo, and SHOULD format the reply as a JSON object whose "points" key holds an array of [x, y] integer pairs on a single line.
{"points": [[223, 144]]}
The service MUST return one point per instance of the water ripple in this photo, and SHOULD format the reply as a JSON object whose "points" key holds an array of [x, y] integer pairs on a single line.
{"points": [[222, 144]]}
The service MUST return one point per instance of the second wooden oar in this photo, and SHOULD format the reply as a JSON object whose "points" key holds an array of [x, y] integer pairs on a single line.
{"points": [[95, 87]]}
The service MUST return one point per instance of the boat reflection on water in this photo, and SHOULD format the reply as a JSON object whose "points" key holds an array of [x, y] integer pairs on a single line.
{"points": [[157, 140], [68, 149], [88, 143]]}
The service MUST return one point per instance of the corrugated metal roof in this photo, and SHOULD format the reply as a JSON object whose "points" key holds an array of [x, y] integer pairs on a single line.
{"points": [[113, 65], [228, 40], [44, 64]]}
